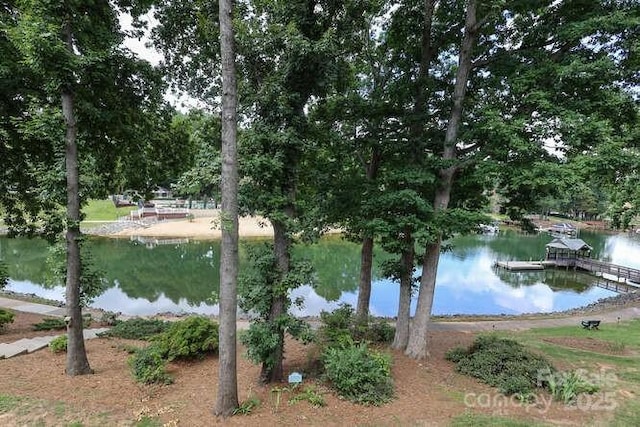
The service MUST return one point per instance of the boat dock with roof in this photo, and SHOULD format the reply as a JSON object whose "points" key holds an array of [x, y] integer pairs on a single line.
{"points": [[576, 253]]}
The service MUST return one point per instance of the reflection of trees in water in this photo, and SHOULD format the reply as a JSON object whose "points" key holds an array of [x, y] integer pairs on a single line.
{"points": [[517, 279], [26, 259], [336, 263], [191, 271], [186, 271], [557, 279]]}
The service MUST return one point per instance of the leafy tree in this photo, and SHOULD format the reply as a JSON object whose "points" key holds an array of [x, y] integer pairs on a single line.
{"points": [[259, 287], [91, 97], [202, 180], [525, 73]]}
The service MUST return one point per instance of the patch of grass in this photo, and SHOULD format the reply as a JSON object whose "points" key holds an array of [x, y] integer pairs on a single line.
{"points": [[627, 414], [8, 403], [311, 395], [104, 210], [247, 406], [148, 422], [614, 333], [469, 419]]}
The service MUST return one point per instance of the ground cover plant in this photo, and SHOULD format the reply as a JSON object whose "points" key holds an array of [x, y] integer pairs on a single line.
{"points": [[503, 363], [137, 328]]}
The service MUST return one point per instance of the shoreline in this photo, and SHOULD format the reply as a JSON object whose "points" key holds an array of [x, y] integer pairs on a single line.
{"points": [[601, 306], [205, 225]]}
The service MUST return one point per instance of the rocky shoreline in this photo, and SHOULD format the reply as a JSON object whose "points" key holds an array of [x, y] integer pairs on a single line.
{"points": [[602, 305]]}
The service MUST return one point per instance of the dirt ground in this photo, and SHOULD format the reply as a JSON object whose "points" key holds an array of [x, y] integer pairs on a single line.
{"points": [[428, 393]]}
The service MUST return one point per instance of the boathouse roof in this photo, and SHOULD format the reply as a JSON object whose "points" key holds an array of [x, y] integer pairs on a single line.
{"points": [[570, 244]]}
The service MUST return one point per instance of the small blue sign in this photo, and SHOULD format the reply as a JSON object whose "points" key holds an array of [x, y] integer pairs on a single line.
{"points": [[295, 378]]}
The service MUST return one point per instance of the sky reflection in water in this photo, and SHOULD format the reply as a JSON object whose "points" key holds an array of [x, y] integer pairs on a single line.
{"points": [[466, 284]]}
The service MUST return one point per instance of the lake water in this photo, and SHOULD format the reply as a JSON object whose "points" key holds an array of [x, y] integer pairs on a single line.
{"points": [[147, 279]]}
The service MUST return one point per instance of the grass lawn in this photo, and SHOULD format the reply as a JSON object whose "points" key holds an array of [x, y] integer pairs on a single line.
{"points": [[616, 366], [105, 211]]}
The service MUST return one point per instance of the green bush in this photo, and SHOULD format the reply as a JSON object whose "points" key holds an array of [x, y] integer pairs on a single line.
{"points": [[4, 275], [190, 338], [359, 374], [341, 329], [6, 317], [137, 329], [58, 344], [148, 366], [502, 363]]}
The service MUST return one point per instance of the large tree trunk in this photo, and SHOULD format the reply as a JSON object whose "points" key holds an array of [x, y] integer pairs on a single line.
{"points": [[401, 337], [282, 246], [366, 253], [77, 362], [227, 398], [364, 289], [417, 346]]}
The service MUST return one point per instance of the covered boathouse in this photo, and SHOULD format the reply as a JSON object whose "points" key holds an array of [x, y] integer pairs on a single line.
{"points": [[565, 251]]}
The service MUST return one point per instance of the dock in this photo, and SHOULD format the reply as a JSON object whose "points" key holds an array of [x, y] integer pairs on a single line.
{"points": [[520, 265], [614, 277]]}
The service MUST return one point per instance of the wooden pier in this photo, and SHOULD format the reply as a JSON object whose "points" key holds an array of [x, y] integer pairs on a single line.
{"points": [[612, 273], [520, 265]]}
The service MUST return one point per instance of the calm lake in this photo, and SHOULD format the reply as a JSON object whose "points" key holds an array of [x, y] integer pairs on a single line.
{"points": [[182, 277]]}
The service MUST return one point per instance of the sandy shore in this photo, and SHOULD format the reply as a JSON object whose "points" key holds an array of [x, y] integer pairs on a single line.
{"points": [[206, 225]]}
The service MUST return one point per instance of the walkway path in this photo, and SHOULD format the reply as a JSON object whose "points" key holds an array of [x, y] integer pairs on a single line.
{"points": [[513, 324], [29, 345]]}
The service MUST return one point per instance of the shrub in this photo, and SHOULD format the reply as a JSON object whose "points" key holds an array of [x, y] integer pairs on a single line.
{"points": [[359, 374], [188, 339], [376, 331], [341, 329], [49, 324], [58, 344], [4, 275], [502, 363], [137, 329], [109, 318], [6, 317], [148, 366]]}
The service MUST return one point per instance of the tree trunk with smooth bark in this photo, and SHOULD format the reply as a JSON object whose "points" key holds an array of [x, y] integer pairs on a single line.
{"points": [[364, 288], [401, 337], [366, 252], [77, 362], [227, 398]]}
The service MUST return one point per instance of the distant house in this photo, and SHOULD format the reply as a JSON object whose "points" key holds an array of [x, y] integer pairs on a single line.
{"points": [[162, 193], [563, 228], [566, 248]]}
